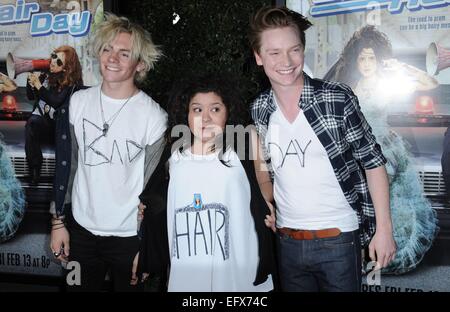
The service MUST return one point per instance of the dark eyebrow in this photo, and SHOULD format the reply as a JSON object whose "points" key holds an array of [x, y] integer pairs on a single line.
{"points": [[215, 103]]}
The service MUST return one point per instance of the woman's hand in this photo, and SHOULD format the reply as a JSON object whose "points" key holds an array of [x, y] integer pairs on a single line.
{"points": [[33, 78], [141, 209], [393, 64], [423, 81]]}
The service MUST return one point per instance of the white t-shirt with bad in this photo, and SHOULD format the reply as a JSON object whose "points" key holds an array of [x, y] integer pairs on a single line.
{"points": [[110, 172]]}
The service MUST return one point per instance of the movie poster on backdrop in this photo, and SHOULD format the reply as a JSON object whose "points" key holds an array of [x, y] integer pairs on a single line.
{"points": [[395, 56], [34, 36], [31, 30]]}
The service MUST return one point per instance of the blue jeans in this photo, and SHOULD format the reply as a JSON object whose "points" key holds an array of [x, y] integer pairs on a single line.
{"points": [[324, 264]]}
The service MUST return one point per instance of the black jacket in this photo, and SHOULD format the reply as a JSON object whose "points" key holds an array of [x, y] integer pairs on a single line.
{"points": [[154, 252], [59, 100], [51, 96], [63, 151]]}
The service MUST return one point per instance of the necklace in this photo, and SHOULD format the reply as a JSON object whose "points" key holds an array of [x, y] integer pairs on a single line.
{"points": [[108, 123]]}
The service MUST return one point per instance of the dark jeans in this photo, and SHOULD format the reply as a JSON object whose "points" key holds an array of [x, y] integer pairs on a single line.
{"points": [[326, 264], [37, 131], [98, 255]]}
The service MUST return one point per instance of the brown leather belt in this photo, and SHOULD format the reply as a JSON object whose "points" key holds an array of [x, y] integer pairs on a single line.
{"points": [[309, 234]]}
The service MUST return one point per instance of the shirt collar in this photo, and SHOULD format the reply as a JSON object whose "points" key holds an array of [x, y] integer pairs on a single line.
{"points": [[307, 95]]}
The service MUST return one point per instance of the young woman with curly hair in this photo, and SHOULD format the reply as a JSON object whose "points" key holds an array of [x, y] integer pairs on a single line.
{"points": [[208, 204]]}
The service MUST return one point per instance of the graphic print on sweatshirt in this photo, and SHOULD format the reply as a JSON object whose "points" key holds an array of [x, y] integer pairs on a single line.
{"points": [[95, 154], [201, 230]]}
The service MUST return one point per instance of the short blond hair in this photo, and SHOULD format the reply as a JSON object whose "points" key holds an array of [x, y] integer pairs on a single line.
{"points": [[143, 49]]}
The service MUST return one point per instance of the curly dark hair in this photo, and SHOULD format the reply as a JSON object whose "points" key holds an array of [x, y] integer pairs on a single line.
{"points": [[184, 90], [365, 38]]}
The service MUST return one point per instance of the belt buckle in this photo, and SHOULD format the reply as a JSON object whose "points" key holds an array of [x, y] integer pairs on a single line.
{"points": [[288, 232], [307, 234]]}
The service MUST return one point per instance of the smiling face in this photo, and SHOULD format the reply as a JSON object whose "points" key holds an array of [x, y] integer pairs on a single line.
{"points": [[57, 62], [282, 56], [207, 116], [367, 63], [116, 63]]}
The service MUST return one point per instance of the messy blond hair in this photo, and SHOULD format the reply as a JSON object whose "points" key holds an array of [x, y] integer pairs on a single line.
{"points": [[143, 49]]}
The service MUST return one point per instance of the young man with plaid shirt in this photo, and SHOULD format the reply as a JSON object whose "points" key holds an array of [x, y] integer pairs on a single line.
{"points": [[330, 184]]}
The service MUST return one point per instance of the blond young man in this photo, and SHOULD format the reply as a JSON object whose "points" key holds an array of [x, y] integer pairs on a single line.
{"points": [[116, 134]]}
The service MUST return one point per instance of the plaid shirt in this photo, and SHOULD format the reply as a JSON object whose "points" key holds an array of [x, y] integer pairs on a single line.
{"points": [[334, 114]]}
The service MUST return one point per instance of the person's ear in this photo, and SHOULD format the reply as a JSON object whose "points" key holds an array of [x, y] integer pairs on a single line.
{"points": [[140, 67], [258, 58]]}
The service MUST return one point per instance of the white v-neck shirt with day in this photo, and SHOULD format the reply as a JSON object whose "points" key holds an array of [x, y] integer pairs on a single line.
{"points": [[306, 190], [110, 172], [212, 237]]}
